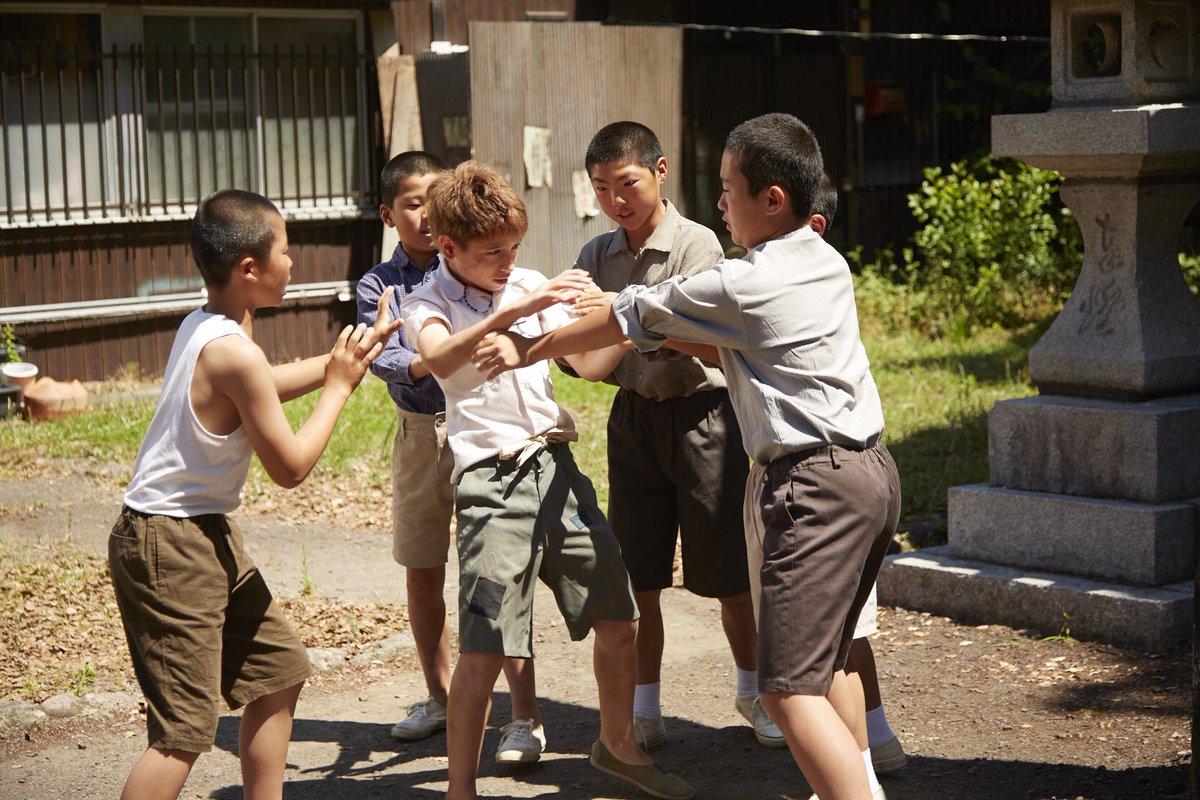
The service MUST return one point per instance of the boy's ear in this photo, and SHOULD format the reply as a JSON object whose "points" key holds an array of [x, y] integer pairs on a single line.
{"points": [[818, 223], [385, 214], [448, 246], [776, 198], [246, 266], [660, 169]]}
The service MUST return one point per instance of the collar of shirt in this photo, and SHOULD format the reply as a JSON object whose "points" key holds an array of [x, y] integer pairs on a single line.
{"points": [[660, 239], [403, 262], [799, 234], [454, 289]]}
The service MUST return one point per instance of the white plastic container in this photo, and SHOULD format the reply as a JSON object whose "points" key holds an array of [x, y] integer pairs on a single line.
{"points": [[19, 373]]}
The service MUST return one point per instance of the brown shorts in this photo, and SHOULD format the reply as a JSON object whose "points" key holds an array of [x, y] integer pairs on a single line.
{"points": [[677, 472], [200, 623], [422, 494], [829, 515]]}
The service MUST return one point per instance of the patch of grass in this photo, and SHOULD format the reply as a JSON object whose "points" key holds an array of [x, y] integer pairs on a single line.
{"points": [[102, 436], [936, 395]]}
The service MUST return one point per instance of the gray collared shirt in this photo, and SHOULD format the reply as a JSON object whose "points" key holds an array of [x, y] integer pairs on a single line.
{"points": [[785, 323], [677, 247]]}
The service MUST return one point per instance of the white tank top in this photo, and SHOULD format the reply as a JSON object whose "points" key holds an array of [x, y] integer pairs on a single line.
{"points": [[182, 469]]}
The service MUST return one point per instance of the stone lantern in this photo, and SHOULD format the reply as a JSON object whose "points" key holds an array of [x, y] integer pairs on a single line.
{"points": [[1091, 515]]}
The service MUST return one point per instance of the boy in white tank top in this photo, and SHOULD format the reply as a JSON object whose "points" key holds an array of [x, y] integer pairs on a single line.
{"points": [[198, 616]]}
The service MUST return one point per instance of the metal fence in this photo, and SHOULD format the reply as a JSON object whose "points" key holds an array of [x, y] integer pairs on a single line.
{"points": [[145, 133]]}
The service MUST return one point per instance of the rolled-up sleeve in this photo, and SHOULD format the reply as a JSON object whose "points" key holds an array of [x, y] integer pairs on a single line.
{"points": [[700, 308]]}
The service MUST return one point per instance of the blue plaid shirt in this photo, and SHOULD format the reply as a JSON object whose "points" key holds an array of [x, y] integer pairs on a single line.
{"points": [[423, 395]]}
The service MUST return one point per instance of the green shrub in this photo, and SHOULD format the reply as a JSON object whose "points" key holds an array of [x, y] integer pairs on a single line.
{"points": [[994, 248]]}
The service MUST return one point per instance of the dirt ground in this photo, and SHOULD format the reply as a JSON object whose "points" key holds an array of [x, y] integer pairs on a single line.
{"points": [[985, 712]]}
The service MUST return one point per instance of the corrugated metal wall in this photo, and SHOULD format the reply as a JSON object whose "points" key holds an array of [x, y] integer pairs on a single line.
{"points": [[572, 78], [98, 262]]}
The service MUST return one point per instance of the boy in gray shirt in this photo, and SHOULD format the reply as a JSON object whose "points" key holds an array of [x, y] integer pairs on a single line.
{"points": [[783, 324], [675, 465]]}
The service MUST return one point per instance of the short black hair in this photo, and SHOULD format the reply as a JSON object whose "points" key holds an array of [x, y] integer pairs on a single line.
{"points": [[229, 224], [825, 201], [778, 149], [623, 141], [405, 165]]}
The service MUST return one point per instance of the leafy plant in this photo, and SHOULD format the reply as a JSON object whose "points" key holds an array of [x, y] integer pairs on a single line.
{"points": [[994, 248], [82, 679], [8, 344], [308, 587]]}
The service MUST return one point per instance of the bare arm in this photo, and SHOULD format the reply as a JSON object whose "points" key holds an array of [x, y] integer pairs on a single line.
{"points": [[505, 350], [446, 354], [238, 370]]}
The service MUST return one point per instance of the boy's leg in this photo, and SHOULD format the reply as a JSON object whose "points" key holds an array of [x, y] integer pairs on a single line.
{"points": [[582, 564], [470, 701], [820, 742], [832, 512], [887, 752], [263, 739], [158, 775], [430, 627], [523, 740], [613, 661], [422, 509]]}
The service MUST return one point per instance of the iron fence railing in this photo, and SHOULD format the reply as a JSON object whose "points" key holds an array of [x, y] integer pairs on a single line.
{"points": [[145, 132]]}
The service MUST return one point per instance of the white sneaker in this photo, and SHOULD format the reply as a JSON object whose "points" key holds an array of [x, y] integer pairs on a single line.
{"points": [[520, 742], [766, 731], [649, 732], [424, 719]]}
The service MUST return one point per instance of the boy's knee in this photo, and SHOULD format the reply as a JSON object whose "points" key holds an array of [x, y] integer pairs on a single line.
{"points": [[615, 633], [425, 582]]}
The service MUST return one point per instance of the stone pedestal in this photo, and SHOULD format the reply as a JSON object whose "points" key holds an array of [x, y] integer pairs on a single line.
{"points": [[1091, 516]]}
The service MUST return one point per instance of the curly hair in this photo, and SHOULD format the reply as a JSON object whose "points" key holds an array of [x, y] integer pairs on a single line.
{"points": [[474, 201]]}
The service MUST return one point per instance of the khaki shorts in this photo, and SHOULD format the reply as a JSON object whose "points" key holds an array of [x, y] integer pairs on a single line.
{"points": [[868, 618], [676, 471], [200, 623], [422, 495], [828, 517], [521, 520]]}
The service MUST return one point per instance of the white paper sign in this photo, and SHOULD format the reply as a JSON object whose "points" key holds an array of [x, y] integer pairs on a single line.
{"points": [[537, 157], [585, 198]]}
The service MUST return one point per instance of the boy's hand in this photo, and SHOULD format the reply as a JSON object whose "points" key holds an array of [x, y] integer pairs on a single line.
{"points": [[499, 352], [591, 301], [357, 347], [384, 325], [562, 288]]}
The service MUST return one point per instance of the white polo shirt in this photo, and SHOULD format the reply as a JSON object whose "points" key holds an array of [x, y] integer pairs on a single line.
{"points": [[502, 416]]}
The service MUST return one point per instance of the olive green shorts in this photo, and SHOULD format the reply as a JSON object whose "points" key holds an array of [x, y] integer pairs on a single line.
{"points": [[200, 623], [520, 520]]}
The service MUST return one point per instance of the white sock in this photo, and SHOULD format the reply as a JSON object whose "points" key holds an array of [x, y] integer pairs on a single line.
{"points": [[645, 700], [747, 682], [878, 730], [872, 781]]}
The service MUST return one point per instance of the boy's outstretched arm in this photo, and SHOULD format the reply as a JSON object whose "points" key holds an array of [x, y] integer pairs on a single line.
{"points": [[505, 350], [444, 353], [238, 370], [298, 378]]}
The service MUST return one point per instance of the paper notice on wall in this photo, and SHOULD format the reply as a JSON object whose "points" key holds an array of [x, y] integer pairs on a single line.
{"points": [[537, 157], [585, 198]]}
